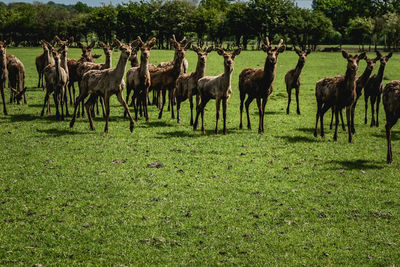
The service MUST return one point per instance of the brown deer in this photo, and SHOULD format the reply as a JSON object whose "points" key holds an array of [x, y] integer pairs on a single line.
{"points": [[3, 72], [163, 79], [258, 83], [138, 78], [292, 78], [134, 58], [56, 77], [105, 83], [338, 92], [186, 84], [391, 103], [360, 84], [16, 79], [42, 60], [185, 63], [373, 89], [218, 88]]}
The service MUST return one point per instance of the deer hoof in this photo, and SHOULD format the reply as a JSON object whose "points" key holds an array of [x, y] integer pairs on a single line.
{"points": [[315, 134], [131, 127]]}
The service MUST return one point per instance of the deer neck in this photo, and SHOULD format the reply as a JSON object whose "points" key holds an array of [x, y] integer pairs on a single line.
{"points": [[380, 72], [58, 69], [64, 61], [350, 79], [134, 62], [299, 67], [120, 69], [227, 77], [364, 77], [47, 57], [269, 71], [200, 69], [108, 63], [3, 66], [176, 69], [144, 66]]}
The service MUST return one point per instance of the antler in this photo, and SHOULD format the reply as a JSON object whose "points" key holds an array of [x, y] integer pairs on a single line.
{"points": [[280, 44], [267, 42]]}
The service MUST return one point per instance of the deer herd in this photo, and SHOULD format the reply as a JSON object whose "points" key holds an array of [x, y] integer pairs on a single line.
{"points": [[100, 81]]}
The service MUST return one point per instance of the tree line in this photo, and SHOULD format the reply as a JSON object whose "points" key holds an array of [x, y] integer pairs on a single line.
{"points": [[362, 22]]}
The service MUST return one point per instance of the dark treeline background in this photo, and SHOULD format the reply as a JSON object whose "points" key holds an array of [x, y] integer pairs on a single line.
{"points": [[364, 22]]}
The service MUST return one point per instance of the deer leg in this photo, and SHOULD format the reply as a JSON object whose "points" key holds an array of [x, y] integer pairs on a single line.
{"points": [[319, 107], [107, 106], [264, 103], [366, 107], [134, 101], [336, 122], [80, 98], [247, 105], [258, 99], [289, 91], [169, 100], [378, 101], [164, 92], [39, 79], [333, 113], [372, 100], [242, 97], [390, 121], [353, 110], [88, 105], [224, 108], [178, 109], [125, 105], [324, 109], [66, 103], [200, 110], [297, 100], [341, 118], [55, 97], [202, 116], [172, 101], [70, 94], [217, 105], [11, 96], [191, 108], [146, 103], [348, 117], [46, 98], [3, 99]]}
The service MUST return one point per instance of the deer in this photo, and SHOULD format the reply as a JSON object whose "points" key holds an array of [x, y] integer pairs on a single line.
{"points": [[16, 79], [56, 77], [186, 84], [292, 78], [360, 84], [42, 60], [258, 83], [73, 65], [133, 59], [391, 104], [373, 89], [185, 63], [338, 92], [3, 72], [105, 83], [218, 88], [138, 78], [164, 79]]}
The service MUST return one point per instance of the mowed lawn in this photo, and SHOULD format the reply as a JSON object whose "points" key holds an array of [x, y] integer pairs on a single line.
{"points": [[79, 197]]}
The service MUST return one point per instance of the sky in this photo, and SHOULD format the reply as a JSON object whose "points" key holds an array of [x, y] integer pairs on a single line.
{"points": [[300, 3]]}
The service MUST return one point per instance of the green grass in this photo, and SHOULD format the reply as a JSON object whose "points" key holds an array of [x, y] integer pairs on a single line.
{"points": [[77, 197]]}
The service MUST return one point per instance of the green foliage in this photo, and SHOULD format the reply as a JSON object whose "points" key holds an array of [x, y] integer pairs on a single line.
{"points": [[103, 21]]}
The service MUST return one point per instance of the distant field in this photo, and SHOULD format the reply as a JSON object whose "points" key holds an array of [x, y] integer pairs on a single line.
{"points": [[78, 197]]}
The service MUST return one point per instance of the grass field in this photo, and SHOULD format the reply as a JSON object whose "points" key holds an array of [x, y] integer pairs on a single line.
{"points": [[78, 197]]}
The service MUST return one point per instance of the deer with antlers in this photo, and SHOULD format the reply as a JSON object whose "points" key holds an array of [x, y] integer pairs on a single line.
{"points": [[338, 92], [360, 84], [185, 63], [105, 83], [186, 84], [3, 72], [42, 60], [163, 79], [292, 78], [391, 103], [16, 79], [258, 83], [138, 78], [373, 89], [218, 88], [56, 77]]}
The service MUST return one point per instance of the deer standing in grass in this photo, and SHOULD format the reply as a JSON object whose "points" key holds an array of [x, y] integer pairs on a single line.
{"points": [[186, 84], [56, 77], [185, 63], [373, 89], [218, 88], [42, 60], [105, 83], [163, 79], [16, 79], [360, 84], [3, 72], [391, 103], [138, 78], [338, 92], [292, 78], [258, 83]]}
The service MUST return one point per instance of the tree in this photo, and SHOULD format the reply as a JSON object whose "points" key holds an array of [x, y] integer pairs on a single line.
{"points": [[103, 21], [360, 30]]}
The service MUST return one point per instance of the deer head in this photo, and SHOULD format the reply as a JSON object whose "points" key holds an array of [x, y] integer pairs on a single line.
{"points": [[371, 62], [202, 54], [144, 48], [180, 47], [125, 49], [229, 57], [106, 48], [87, 52], [384, 59], [302, 54], [273, 53], [3, 48], [352, 61], [67, 42]]}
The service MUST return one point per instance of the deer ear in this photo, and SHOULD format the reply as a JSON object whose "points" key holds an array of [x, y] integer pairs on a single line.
{"points": [[362, 56], [91, 45], [308, 51], [220, 51], [71, 40], [209, 49], [187, 46], [102, 45], [152, 42], [265, 48], [389, 55], [96, 56], [117, 42], [378, 54], [237, 51], [57, 39], [195, 48], [282, 49], [345, 54]]}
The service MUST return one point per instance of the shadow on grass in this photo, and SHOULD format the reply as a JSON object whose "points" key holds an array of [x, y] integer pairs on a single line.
{"points": [[300, 139], [59, 132], [187, 133], [358, 164], [310, 130], [30, 117], [382, 135], [265, 114], [154, 124]]}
